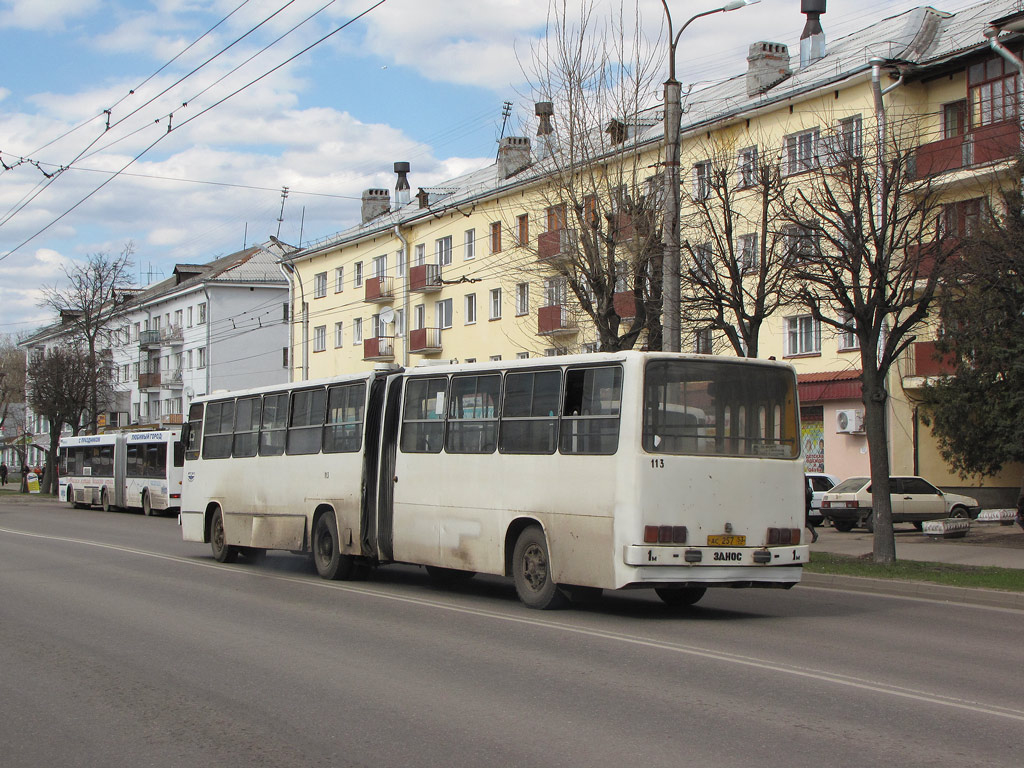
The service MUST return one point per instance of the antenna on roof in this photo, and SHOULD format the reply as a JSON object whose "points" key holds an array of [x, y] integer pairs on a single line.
{"points": [[506, 112], [284, 196]]}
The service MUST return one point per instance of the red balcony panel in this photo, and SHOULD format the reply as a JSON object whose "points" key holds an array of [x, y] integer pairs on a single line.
{"points": [[147, 380], [425, 340], [379, 289], [928, 362], [996, 142], [556, 244], [925, 255], [379, 348], [940, 156], [625, 304], [425, 277], [623, 228], [554, 319]]}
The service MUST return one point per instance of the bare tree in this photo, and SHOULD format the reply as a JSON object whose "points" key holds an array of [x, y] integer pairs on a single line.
{"points": [[600, 252], [868, 254], [12, 377], [61, 384], [737, 272], [93, 298]]}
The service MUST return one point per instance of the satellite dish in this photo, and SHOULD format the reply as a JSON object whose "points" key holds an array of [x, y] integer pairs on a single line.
{"points": [[387, 315]]}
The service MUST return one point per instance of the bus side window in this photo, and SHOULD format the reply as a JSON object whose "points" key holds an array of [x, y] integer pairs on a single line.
{"points": [[272, 425], [194, 434], [305, 425], [590, 412], [247, 427], [217, 431], [473, 414], [179, 454], [423, 416], [343, 432], [529, 412]]}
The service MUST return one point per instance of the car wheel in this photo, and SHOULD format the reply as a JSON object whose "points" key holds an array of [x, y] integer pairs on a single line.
{"points": [[869, 522], [959, 512], [843, 526], [918, 525]]}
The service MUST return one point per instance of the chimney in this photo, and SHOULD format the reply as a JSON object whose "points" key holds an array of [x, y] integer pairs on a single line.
{"points": [[423, 198], [767, 66], [545, 133], [812, 41], [375, 203], [513, 155], [402, 185]]}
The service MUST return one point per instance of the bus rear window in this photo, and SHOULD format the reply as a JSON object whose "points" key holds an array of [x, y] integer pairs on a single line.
{"points": [[720, 408]]}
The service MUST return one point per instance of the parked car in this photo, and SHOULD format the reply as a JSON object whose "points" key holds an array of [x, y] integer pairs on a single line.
{"points": [[914, 500], [819, 482]]}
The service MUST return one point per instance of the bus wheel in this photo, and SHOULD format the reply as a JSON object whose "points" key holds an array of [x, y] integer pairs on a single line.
{"points": [[147, 505], [531, 571], [327, 557], [680, 598], [222, 552], [448, 575], [104, 500]]}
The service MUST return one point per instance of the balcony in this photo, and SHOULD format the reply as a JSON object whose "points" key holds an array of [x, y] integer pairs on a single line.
{"points": [[171, 418], [987, 144], [425, 278], [172, 335], [556, 245], [923, 257], [149, 339], [425, 341], [380, 289], [622, 228], [624, 303], [379, 348], [554, 320], [172, 380], [922, 361], [149, 381]]}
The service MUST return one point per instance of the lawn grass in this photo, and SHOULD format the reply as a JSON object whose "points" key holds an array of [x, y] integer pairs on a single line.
{"points": [[983, 577]]}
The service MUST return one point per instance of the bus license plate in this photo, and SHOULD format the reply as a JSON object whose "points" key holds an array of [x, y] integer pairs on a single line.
{"points": [[727, 541]]}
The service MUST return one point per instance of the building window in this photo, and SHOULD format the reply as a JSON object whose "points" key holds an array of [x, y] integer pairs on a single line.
{"points": [[470, 308], [803, 336], [284, 312], [747, 165], [495, 312], [702, 259], [702, 179], [555, 217], [991, 91], [847, 337], [380, 266], [849, 138], [284, 357], [522, 355], [419, 317], [495, 358], [400, 263], [523, 230], [188, 363], [419, 255], [495, 237], [339, 334], [319, 285], [178, 317], [961, 218], [202, 314], [702, 342], [801, 151], [954, 119], [747, 253], [801, 242], [320, 338], [399, 323], [443, 251], [201, 354], [443, 313], [358, 276], [469, 244], [522, 299], [357, 331], [339, 279]]}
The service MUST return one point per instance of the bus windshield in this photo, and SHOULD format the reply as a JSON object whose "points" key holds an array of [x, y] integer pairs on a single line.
{"points": [[715, 407]]}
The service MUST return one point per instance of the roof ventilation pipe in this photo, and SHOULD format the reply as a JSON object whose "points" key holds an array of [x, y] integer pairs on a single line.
{"points": [[545, 132], [812, 41], [402, 194]]}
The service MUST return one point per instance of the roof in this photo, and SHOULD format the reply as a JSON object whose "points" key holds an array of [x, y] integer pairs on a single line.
{"points": [[829, 385]]}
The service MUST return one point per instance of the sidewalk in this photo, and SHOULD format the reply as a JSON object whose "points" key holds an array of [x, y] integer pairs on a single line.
{"points": [[987, 544]]}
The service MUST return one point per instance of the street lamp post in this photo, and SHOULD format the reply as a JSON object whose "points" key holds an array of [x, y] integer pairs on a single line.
{"points": [[670, 225]]}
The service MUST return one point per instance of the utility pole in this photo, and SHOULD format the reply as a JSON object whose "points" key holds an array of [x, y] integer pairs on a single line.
{"points": [[280, 219]]}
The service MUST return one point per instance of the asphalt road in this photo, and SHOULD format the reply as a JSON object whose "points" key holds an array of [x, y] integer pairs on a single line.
{"points": [[121, 645]]}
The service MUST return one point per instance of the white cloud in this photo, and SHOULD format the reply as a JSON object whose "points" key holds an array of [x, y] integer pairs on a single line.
{"points": [[48, 15]]}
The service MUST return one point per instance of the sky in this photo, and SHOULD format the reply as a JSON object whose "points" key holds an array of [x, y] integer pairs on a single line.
{"points": [[171, 126]]}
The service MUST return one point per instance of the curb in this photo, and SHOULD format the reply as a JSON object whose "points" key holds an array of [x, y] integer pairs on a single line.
{"points": [[922, 589]]}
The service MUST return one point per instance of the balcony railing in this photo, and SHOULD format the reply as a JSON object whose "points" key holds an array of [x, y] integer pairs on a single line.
{"points": [[171, 418], [379, 348], [425, 340], [425, 278], [556, 244], [149, 338], [554, 319], [923, 360], [149, 380], [986, 144], [172, 334], [380, 289]]}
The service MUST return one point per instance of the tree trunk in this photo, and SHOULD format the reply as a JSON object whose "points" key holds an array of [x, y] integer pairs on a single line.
{"points": [[875, 400], [50, 473]]}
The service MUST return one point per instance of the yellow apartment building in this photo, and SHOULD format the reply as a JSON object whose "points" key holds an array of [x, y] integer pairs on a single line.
{"points": [[486, 266]]}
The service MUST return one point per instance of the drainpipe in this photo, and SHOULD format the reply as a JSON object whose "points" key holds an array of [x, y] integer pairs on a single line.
{"points": [[405, 297], [305, 321], [881, 135], [992, 33], [209, 325], [291, 311]]}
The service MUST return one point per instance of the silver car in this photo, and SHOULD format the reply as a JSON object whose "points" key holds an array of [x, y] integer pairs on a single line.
{"points": [[913, 499]]}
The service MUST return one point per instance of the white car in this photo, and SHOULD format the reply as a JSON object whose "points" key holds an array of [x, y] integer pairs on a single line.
{"points": [[914, 500], [819, 483]]}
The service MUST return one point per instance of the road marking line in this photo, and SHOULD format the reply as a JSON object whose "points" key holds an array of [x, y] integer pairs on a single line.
{"points": [[696, 651]]}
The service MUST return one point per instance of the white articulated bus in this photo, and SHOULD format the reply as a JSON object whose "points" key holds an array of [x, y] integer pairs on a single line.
{"points": [[569, 474], [125, 470]]}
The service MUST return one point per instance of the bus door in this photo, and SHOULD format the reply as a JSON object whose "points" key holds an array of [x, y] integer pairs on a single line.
{"points": [[371, 442], [388, 451], [120, 460]]}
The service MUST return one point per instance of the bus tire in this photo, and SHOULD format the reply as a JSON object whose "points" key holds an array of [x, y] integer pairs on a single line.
{"points": [[222, 552], [531, 571], [680, 598], [147, 505], [104, 500], [330, 563]]}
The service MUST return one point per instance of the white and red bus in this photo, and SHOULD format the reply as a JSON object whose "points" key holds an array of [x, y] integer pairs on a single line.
{"points": [[124, 470], [569, 474]]}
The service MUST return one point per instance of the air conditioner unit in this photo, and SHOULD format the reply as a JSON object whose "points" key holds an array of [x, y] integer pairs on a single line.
{"points": [[850, 421]]}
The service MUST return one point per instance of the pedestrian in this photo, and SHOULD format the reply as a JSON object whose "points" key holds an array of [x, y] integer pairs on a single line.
{"points": [[808, 498], [3, 473]]}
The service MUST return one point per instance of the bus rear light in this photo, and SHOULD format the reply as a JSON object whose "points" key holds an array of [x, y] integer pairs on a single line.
{"points": [[175, 495], [664, 534], [783, 536]]}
